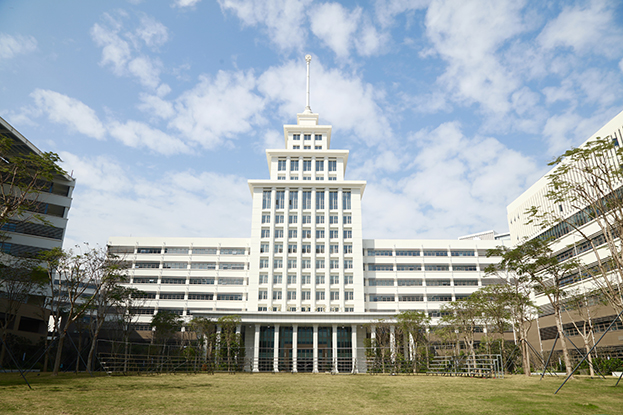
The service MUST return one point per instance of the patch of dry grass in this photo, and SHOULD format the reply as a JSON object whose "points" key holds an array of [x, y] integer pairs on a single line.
{"points": [[305, 394]]}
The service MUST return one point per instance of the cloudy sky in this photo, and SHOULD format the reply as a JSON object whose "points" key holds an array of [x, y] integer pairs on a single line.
{"points": [[163, 110]]}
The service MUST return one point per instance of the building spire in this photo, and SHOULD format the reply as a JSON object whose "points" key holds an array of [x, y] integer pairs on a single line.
{"points": [[307, 107]]}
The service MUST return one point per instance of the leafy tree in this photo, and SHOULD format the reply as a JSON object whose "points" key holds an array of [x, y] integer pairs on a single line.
{"points": [[166, 325], [74, 283], [534, 262], [24, 176], [205, 329], [514, 292], [588, 180], [230, 341], [413, 325], [464, 315]]}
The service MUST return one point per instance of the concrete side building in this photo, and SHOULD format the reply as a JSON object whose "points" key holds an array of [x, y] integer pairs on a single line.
{"points": [[39, 229]]}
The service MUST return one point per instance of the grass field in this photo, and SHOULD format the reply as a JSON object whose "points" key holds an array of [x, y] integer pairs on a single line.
{"points": [[305, 394]]}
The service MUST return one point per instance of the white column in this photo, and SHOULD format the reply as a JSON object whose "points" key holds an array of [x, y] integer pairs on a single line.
{"points": [[334, 347], [276, 350], [295, 345], [353, 340], [315, 355], [238, 336], [256, 349], [392, 342], [412, 350]]}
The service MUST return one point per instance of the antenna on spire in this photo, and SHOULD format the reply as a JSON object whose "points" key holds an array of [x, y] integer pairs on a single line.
{"points": [[307, 107]]}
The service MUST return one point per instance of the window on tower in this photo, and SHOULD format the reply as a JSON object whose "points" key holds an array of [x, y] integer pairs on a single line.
{"points": [[318, 137], [307, 137], [319, 165], [294, 165], [281, 165], [332, 200], [266, 199], [332, 165], [294, 199], [346, 200], [307, 197], [319, 200], [296, 137], [306, 165]]}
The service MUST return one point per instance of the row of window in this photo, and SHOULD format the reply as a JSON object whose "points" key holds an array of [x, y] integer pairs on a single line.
{"points": [[176, 250], [306, 279], [307, 233], [418, 267], [306, 295], [307, 219], [306, 137], [306, 199], [175, 296], [376, 298], [305, 263], [426, 252], [193, 265], [279, 248], [192, 280], [282, 165], [387, 282], [320, 309]]}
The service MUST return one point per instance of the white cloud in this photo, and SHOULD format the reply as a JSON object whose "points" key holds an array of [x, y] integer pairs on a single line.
{"points": [[122, 51], [282, 19], [387, 10], [334, 25], [155, 106], [218, 108], [586, 28], [11, 46], [569, 128], [152, 32], [345, 99], [71, 112], [137, 134], [452, 188], [185, 3], [109, 200], [370, 41]]}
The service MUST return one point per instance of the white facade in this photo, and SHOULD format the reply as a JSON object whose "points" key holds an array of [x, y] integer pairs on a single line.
{"points": [[305, 270]]}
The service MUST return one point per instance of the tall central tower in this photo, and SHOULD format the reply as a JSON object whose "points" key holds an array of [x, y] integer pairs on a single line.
{"points": [[306, 238]]}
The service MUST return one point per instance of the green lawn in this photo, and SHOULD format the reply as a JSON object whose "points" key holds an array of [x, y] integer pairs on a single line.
{"points": [[305, 394]]}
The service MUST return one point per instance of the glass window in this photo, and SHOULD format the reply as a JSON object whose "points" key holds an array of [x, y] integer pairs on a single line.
{"points": [[440, 267], [334, 234], [318, 148], [279, 218], [305, 263], [307, 136], [306, 249], [462, 253], [262, 295], [409, 282], [263, 279], [265, 219], [348, 264], [280, 199], [293, 219], [306, 279], [348, 279], [263, 262], [348, 219], [319, 233], [346, 200], [334, 279], [348, 249], [319, 279], [291, 278], [319, 200], [319, 295], [265, 233], [407, 252], [203, 265], [332, 165], [334, 264], [292, 248], [175, 265], [408, 267], [278, 248], [294, 165], [334, 249], [281, 165], [319, 219], [335, 295], [350, 296], [306, 233], [348, 234], [320, 249], [295, 148], [276, 295], [278, 263], [292, 234], [333, 200], [291, 295], [333, 218], [305, 295], [266, 199], [207, 281], [319, 165], [296, 137], [435, 253], [264, 248], [176, 251], [277, 279], [307, 165], [294, 199], [307, 196], [204, 251], [291, 263], [306, 219], [380, 267], [278, 233], [320, 264], [318, 137]]}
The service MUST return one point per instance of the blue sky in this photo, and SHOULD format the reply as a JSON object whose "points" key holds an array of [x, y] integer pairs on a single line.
{"points": [[162, 110]]}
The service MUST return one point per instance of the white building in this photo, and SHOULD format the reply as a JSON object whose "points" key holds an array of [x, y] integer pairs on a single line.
{"points": [[305, 281]]}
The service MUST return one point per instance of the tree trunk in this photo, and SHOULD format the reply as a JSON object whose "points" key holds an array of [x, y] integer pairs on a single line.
{"points": [[563, 342], [525, 350], [79, 351], [59, 352]]}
